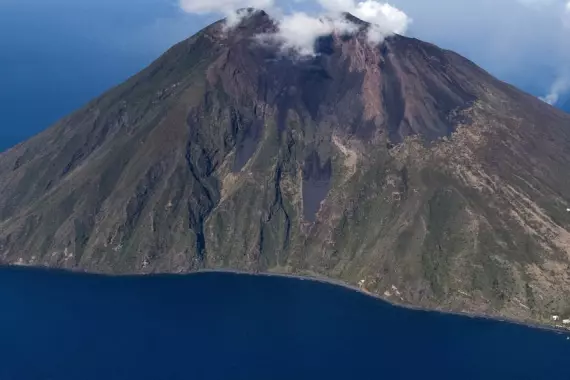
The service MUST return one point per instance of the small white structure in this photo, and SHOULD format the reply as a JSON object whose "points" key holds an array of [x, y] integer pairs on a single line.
{"points": [[396, 291], [555, 317], [568, 210], [361, 283], [566, 321]]}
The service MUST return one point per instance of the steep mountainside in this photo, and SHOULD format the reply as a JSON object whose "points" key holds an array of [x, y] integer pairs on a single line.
{"points": [[403, 167]]}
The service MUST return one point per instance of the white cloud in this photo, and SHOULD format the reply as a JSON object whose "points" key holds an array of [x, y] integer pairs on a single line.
{"points": [[234, 18], [560, 87], [298, 32], [385, 18]]}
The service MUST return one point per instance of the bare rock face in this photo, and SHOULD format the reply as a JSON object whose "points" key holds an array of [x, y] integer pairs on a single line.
{"points": [[402, 167]]}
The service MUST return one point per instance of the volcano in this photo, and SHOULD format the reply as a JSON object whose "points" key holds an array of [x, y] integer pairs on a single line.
{"points": [[400, 166]]}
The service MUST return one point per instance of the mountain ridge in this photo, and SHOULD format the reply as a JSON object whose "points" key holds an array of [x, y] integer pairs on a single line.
{"points": [[401, 165]]}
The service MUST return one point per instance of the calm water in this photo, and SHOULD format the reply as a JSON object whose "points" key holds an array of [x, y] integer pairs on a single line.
{"points": [[225, 326]]}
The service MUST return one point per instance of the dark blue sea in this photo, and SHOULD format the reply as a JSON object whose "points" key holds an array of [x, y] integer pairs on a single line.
{"points": [[61, 326]]}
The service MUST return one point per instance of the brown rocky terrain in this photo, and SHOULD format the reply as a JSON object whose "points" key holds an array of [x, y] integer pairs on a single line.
{"points": [[400, 166]]}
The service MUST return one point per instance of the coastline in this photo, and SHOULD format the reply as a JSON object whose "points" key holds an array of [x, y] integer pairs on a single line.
{"points": [[335, 282], [301, 277]]}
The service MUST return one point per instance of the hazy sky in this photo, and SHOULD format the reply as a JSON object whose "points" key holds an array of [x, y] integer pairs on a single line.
{"points": [[56, 55]]}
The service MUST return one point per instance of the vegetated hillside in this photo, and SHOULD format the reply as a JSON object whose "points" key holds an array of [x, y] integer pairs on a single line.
{"points": [[402, 165]]}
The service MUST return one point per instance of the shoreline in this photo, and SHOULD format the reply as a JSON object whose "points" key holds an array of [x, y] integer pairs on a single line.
{"points": [[312, 278], [342, 284]]}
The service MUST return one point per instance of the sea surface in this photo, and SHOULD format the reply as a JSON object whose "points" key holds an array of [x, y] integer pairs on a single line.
{"points": [[62, 326]]}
